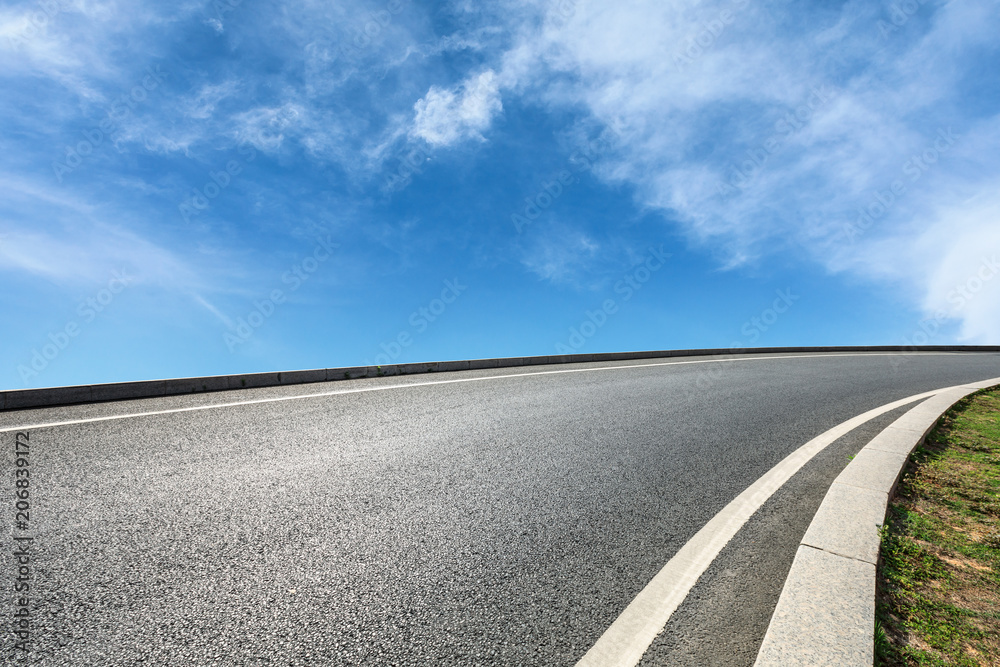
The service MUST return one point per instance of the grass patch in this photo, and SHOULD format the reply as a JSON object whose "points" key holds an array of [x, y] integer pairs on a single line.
{"points": [[938, 591]]}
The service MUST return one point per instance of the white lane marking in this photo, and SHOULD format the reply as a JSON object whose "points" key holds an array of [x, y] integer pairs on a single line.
{"points": [[628, 638], [277, 399]]}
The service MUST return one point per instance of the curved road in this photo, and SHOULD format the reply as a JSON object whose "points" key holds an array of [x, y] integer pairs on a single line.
{"points": [[506, 518]]}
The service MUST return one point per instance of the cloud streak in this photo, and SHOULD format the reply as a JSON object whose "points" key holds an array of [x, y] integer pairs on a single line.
{"points": [[759, 132]]}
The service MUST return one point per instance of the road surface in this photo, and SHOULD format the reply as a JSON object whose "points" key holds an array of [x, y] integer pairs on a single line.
{"points": [[502, 516]]}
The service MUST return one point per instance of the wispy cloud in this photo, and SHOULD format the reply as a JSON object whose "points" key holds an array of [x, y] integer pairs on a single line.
{"points": [[758, 132], [266, 127], [562, 255], [837, 136]]}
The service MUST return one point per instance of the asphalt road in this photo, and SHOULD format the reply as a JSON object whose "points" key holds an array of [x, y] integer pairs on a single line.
{"points": [[498, 521]]}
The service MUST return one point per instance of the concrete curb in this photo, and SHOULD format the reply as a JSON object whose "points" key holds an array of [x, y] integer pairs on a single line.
{"points": [[826, 612], [33, 398]]}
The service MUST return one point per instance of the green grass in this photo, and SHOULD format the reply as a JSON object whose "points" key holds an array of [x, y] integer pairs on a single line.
{"points": [[938, 597]]}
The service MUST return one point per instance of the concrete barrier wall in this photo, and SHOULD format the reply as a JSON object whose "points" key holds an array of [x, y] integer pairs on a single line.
{"points": [[33, 398]]}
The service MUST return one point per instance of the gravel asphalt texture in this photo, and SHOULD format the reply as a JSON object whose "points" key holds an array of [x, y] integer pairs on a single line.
{"points": [[504, 521]]}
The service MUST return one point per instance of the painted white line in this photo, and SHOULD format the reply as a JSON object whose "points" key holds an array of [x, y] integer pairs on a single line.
{"points": [[278, 399], [628, 638]]}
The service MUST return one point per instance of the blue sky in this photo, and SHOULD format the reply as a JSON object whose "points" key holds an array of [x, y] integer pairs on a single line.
{"points": [[203, 188]]}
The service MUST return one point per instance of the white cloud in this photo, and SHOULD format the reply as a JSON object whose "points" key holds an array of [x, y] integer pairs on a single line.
{"points": [[961, 253], [68, 41], [73, 241], [203, 104], [694, 89], [760, 130], [444, 117]]}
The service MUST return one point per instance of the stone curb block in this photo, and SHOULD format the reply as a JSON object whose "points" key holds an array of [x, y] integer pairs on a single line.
{"points": [[302, 377], [195, 385], [254, 380], [826, 612], [33, 398], [115, 392], [895, 440], [846, 524], [837, 596], [873, 470], [346, 373]]}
